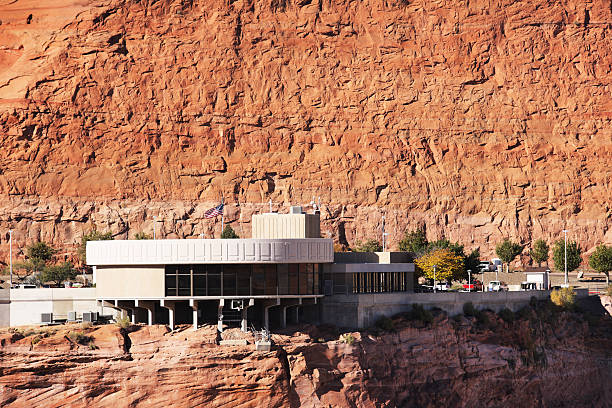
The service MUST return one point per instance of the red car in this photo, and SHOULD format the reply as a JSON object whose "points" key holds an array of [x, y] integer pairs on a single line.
{"points": [[476, 286]]}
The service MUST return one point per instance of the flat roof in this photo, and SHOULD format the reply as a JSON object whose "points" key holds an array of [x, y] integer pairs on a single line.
{"points": [[207, 251]]}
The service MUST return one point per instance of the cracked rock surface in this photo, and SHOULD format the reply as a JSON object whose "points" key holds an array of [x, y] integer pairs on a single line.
{"points": [[477, 119]]}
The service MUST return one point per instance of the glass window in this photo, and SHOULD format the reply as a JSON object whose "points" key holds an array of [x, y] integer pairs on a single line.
{"points": [[199, 285], [293, 279], [317, 284], [243, 276], [214, 280], [229, 280], [303, 279], [171, 280], [184, 288], [271, 280], [259, 279], [283, 279], [310, 279]]}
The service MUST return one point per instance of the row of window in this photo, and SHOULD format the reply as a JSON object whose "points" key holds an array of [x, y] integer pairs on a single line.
{"points": [[380, 282], [242, 280]]}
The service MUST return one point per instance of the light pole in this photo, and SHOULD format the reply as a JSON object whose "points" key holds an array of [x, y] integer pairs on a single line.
{"points": [[469, 280], [11, 256], [154, 226], [383, 232], [565, 249], [434, 278]]}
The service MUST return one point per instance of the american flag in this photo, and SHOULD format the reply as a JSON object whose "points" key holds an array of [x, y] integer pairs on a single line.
{"points": [[213, 212]]}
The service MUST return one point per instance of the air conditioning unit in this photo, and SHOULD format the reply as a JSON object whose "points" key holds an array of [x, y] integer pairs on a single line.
{"points": [[72, 316], [46, 317], [90, 317]]}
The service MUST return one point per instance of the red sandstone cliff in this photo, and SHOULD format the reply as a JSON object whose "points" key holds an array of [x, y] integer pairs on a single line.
{"points": [[477, 119], [543, 360]]}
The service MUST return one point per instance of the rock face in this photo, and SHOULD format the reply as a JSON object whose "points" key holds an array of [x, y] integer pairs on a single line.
{"points": [[528, 363], [478, 120]]}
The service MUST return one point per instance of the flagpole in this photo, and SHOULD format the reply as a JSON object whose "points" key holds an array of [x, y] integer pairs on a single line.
{"points": [[222, 214]]}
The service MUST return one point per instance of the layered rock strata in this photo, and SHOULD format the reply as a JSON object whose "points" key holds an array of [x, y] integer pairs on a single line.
{"points": [[540, 360]]}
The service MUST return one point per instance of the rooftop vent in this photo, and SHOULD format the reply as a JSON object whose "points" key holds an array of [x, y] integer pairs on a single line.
{"points": [[296, 209]]}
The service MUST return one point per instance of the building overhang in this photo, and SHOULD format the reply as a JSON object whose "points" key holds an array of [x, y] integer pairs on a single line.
{"points": [[206, 251]]}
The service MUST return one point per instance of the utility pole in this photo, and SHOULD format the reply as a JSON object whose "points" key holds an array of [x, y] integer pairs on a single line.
{"points": [[434, 278], [469, 280]]}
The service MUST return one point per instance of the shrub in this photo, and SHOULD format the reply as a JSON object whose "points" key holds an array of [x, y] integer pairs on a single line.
{"points": [[123, 322], [506, 315], [457, 287], [418, 312], [347, 339], [79, 338], [469, 309], [564, 297], [384, 323], [37, 339]]}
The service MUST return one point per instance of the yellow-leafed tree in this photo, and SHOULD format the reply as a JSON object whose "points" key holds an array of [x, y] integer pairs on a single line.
{"points": [[449, 266]]}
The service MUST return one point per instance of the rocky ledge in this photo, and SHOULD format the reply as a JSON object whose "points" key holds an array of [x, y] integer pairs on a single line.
{"points": [[538, 357]]}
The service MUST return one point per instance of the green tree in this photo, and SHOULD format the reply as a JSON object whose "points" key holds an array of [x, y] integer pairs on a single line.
{"points": [[539, 252], [601, 260], [40, 251], [415, 242], [371, 245], [573, 255], [472, 261], [93, 235], [449, 265], [507, 251], [446, 244], [142, 235], [58, 273], [229, 233]]}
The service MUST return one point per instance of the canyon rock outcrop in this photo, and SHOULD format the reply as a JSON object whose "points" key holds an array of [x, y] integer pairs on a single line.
{"points": [[543, 359], [477, 120]]}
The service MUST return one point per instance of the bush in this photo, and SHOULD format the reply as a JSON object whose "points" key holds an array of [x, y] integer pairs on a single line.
{"points": [[418, 312], [347, 339], [384, 323], [564, 297], [79, 338], [506, 315], [469, 309], [457, 287], [123, 322]]}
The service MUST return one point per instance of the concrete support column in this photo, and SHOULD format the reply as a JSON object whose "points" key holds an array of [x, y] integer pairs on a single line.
{"points": [[194, 306], [220, 315], [244, 324], [149, 305], [170, 305], [267, 314], [297, 314]]}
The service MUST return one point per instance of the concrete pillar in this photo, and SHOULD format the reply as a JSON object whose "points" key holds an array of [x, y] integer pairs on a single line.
{"points": [[150, 306], [244, 324], [220, 316], [297, 314], [284, 317], [170, 305], [194, 306]]}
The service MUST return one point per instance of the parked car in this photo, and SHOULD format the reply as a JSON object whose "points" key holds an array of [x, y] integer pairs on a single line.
{"points": [[442, 286], [475, 286], [496, 286]]}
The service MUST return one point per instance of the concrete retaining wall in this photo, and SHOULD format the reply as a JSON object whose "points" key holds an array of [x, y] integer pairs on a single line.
{"points": [[363, 310]]}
